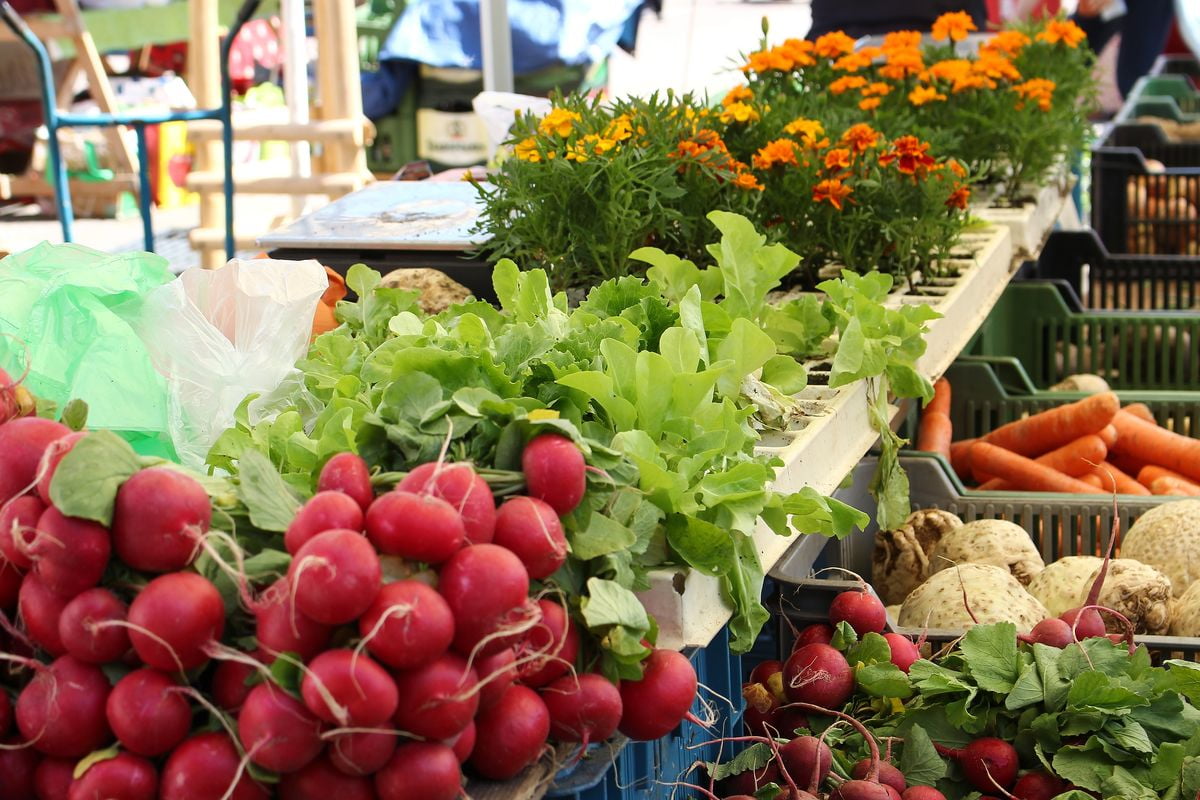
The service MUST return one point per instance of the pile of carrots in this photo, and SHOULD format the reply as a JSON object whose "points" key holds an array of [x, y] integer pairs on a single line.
{"points": [[1089, 446]]}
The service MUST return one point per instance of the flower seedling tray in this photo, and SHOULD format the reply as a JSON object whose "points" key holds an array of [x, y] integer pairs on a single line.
{"points": [[1032, 221]]}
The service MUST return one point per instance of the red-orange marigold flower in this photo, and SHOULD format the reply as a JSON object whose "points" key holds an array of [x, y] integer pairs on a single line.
{"points": [[960, 198], [901, 40], [853, 62], [1039, 90], [901, 64], [838, 158], [910, 154], [860, 137], [780, 151], [846, 83], [831, 191], [869, 103], [995, 66], [833, 44], [799, 51], [1006, 43], [953, 25], [1062, 30], [747, 181], [876, 89], [925, 94]]}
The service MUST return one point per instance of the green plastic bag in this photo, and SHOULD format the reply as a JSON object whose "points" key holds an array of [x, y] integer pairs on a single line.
{"points": [[66, 311]]}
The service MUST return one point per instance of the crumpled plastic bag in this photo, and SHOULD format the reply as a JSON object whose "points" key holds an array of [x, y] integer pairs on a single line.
{"points": [[498, 111], [217, 336], [66, 311]]}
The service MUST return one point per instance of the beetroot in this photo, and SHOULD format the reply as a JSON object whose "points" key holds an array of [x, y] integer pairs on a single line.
{"points": [[887, 774], [1038, 785], [922, 793], [818, 674], [1052, 632], [861, 609], [805, 756], [459, 486]]}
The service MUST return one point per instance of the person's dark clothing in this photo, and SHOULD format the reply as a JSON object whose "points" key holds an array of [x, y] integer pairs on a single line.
{"points": [[859, 18], [1144, 30]]}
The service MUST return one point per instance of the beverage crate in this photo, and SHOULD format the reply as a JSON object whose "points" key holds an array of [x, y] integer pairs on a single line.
{"points": [[1116, 281], [1172, 97], [1178, 64], [627, 770], [1060, 525], [1042, 325]]}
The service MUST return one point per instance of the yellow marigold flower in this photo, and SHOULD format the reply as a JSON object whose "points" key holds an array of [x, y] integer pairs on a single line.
{"points": [[838, 158], [831, 191], [597, 144], [1062, 30], [846, 83], [860, 137], [925, 94], [833, 44], [953, 25], [526, 150], [559, 121], [800, 51], [1005, 43], [737, 94], [747, 181], [901, 40], [869, 103], [780, 151], [739, 112], [1039, 90], [995, 66], [959, 199], [810, 131], [901, 64], [620, 129], [877, 89]]}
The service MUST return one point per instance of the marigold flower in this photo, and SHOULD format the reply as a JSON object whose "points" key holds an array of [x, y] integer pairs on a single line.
{"points": [[963, 83], [831, 191], [1006, 43], [910, 154], [620, 129], [737, 94], [853, 62], [838, 158], [1040, 90], [869, 103], [1062, 30], [947, 70], [747, 181], [833, 44], [954, 25], [739, 112], [995, 66], [876, 89], [861, 137], [757, 62], [901, 40], [846, 83], [957, 168], [925, 94], [526, 150], [799, 51], [780, 151], [901, 64], [959, 199], [558, 121]]}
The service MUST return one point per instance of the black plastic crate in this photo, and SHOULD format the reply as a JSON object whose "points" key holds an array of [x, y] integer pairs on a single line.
{"points": [[1178, 65]]}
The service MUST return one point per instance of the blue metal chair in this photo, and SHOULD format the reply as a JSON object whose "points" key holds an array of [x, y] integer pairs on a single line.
{"points": [[57, 170]]}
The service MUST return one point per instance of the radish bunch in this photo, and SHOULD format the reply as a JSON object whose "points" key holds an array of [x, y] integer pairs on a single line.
{"points": [[411, 634]]}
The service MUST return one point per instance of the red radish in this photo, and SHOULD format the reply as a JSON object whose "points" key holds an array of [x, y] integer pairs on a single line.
{"points": [[922, 793], [763, 672], [362, 752], [69, 554], [10, 586], [463, 744], [1052, 632], [17, 770], [83, 638], [279, 629], [363, 691], [6, 713], [892, 793], [1038, 785], [761, 705], [437, 701], [147, 715], [122, 777], [584, 708], [347, 473], [414, 526], [817, 633], [319, 780], [459, 486], [481, 584], [407, 625], [22, 443], [53, 778], [325, 511], [49, 462], [499, 672], [335, 577], [904, 650], [18, 522], [1084, 624], [861, 609], [867, 788], [206, 767], [510, 735], [277, 731], [420, 771], [61, 711], [41, 610], [750, 781], [887, 774], [554, 471], [806, 756], [818, 674], [159, 519], [653, 706], [228, 685], [987, 763], [555, 643], [532, 530], [173, 619]]}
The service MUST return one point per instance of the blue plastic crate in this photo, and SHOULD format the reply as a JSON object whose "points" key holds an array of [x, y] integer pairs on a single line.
{"points": [[646, 770]]}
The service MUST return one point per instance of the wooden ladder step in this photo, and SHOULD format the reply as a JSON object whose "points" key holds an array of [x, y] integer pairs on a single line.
{"points": [[331, 130], [339, 183]]}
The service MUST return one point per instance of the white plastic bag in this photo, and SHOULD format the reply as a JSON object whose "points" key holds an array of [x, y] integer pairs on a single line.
{"points": [[219, 335], [498, 110]]}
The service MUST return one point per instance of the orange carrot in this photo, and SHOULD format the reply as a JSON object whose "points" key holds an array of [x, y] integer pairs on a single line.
{"points": [[1108, 434], [960, 457], [1108, 475], [1092, 479], [935, 433], [1155, 445], [1141, 411], [1078, 457], [941, 397], [1152, 472], [1024, 473], [1169, 485], [994, 485], [1055, 427], [1125, 462]]}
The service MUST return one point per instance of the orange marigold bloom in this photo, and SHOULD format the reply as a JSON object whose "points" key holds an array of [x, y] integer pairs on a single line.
{"points": [[877, 89], [861, 137], [838, 158], [869, 103], [1005, 43], [559, 121], [910, 154], [1040, 90], [953, 25], [902, 63], [620, 129], [831, 191], [833, 44], [901, 40], [957, 168], [1062, 30], [947, 70], [780, 151], [799, 51], [964, 82], [747, 181], [925, 94], [995, 66], [737, 94], [739, 112], [959, 199], [846, 83], [757, 62], [853, 62]]}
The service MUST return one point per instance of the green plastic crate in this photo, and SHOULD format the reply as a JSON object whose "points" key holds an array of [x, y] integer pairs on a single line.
{"points": [[1168, 96], [374, 20], [1033, 323], [395, 142]]}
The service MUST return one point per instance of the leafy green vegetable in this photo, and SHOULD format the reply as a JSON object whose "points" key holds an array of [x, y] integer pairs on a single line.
{"points": [[86, 481]]}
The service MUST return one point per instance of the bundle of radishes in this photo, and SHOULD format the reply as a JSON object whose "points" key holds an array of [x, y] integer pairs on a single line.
{"points": [[402, 642]]}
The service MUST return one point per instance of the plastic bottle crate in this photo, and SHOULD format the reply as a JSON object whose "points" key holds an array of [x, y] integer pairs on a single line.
{"points": [[1041, 324], [1060, 525], [1104, 280], [1172, 97], [1178, 65], [646, 770]]}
